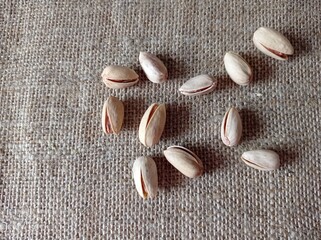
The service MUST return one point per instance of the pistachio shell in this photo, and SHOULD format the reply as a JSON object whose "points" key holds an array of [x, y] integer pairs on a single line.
{"points": [[152, 124], [153, 67], [265, 160], [145, 177], [272, 43], [184, 161], [119, 77], [237, 68], [112, 115], [199, 85], [231, 129]]}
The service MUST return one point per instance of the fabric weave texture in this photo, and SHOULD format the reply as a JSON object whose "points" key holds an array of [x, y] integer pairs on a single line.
{"points": [[62, 178]]}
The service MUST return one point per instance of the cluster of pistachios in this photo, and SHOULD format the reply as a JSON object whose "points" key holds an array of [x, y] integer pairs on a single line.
{"points": [[145, 170], [123, 77], [273, 44], [152, 124]]}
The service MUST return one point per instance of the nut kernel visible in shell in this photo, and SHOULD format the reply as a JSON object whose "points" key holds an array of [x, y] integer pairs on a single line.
{"points": [[153, 67], [231, 129], [145, 177], [152, 124], [119, 77], [237, 68], [185, 161], [199, 85], [112, 115], [272, 43], [265, 160]]}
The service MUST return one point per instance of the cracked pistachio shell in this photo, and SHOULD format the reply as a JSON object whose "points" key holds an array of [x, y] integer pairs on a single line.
{"points": [[199, 85], [152, 124], [184, 161], [265, 160], [119, 77], [153, 67], [145, 177], [231, 129], [272, 43], [112, 115], [237, 68]]}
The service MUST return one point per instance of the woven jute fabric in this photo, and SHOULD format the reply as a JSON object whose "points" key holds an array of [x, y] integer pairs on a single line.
{"points": [[62, 178]]}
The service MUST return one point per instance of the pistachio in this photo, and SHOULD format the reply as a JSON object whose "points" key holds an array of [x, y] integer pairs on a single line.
{"points": [[153, 67], [119, 77], [265, 160], [199, 85], [152, 124], [272, 43], [184, 161], [231, 129], [112, 115], [145, 177], [237, 68]]}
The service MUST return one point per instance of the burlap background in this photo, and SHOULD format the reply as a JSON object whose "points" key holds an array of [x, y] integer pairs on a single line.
{"points": [[62, 178]]}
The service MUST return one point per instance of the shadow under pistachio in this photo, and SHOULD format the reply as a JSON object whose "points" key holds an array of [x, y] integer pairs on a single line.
{"points": [[212, 159], [177, 120], [300, 44], [262, 69], [133, 113], [168, 176], [288, 155], [176, 67], [252, 125], [224, 82], [143, 80]]}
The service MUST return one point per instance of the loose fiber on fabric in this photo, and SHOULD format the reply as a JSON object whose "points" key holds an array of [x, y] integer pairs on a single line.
{"points": [[62, 178]]}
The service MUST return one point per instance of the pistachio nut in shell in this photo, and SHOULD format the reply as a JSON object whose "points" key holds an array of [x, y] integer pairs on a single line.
{"points": [[265, 160], [119, 77], [145, 177], [184, 160], [231, 129], [112, 115], [272, 43], [153, 67], [152, 124], [199, 85], [237, 68]]}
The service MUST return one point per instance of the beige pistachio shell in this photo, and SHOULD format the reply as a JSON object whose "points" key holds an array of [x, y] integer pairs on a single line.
{"points": [[153, 67], [184, 161], [237, 68], [231, 129], [265, 160], [152, 124], [145, 177], [272, 43], [199, 85], [119, 77], [112, 115]]}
